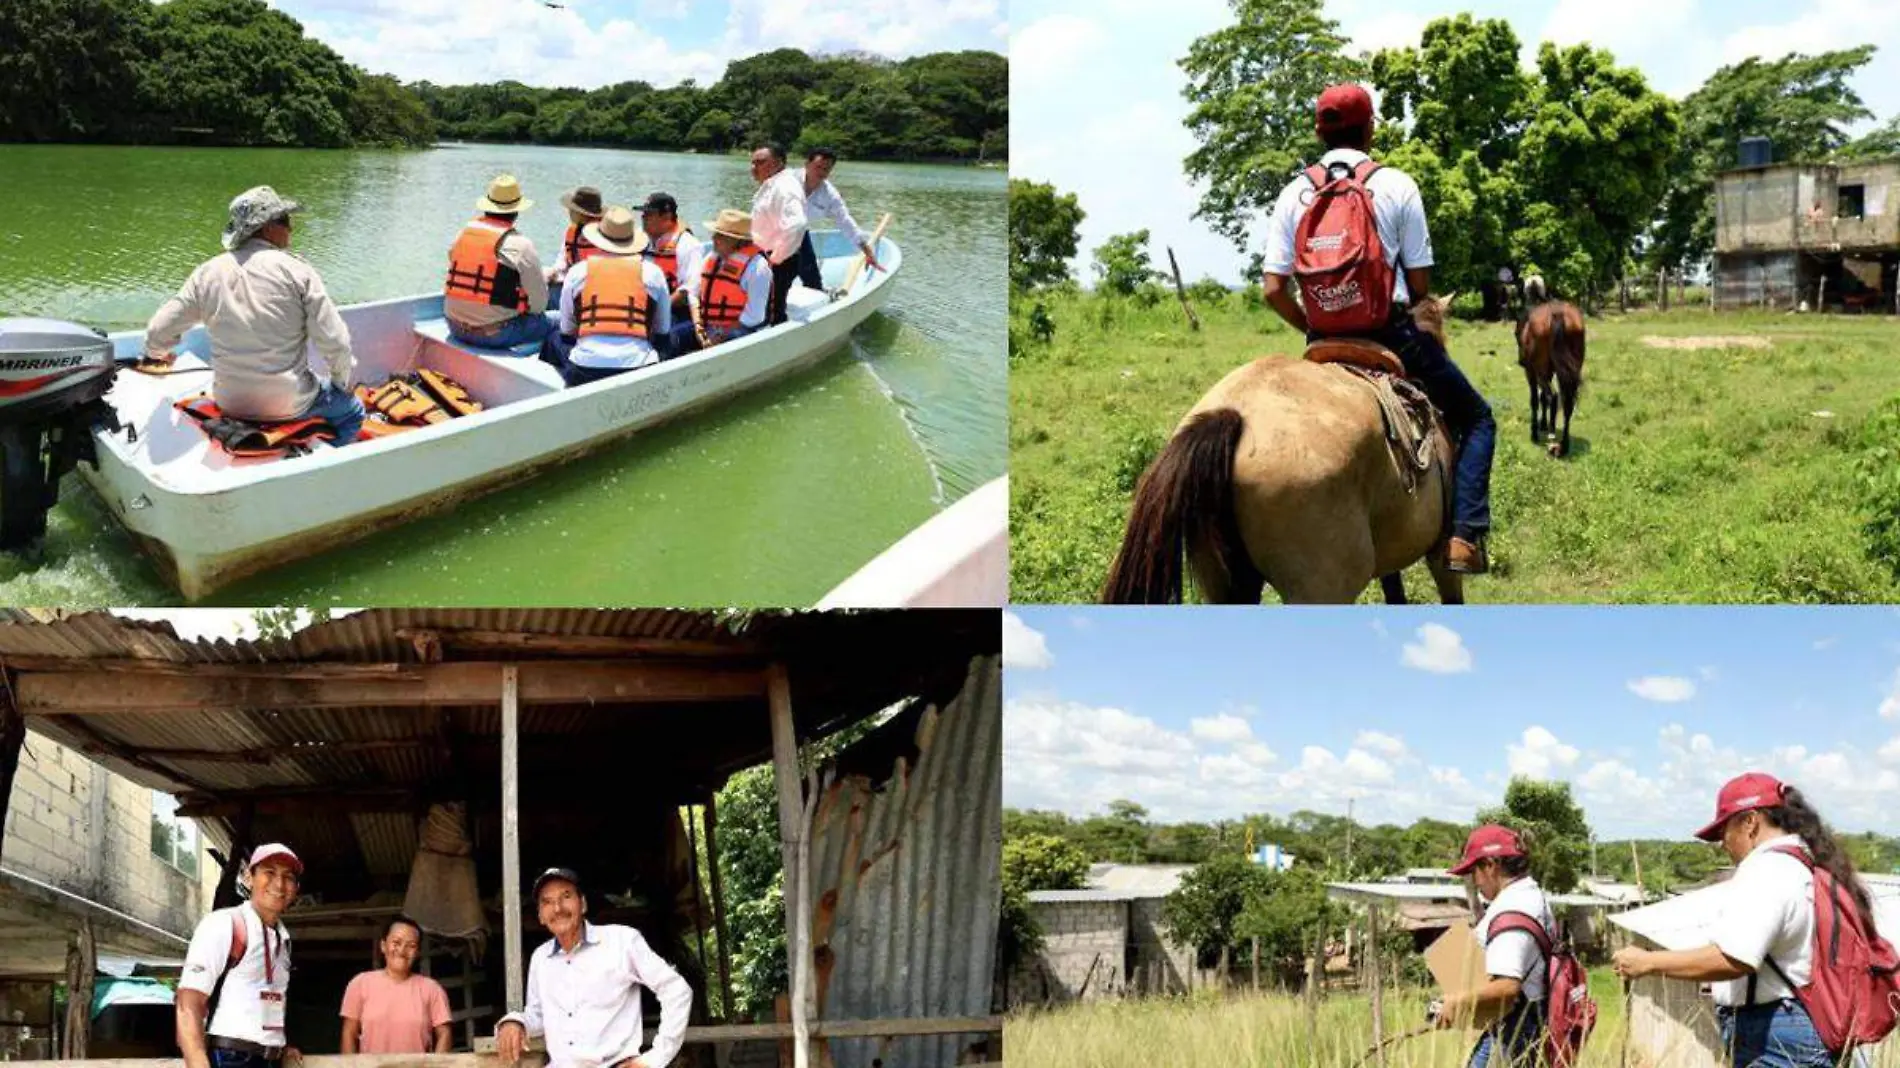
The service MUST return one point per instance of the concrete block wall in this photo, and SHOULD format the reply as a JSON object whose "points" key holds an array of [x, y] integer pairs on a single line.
{"points": [[1084, 952], [1160, 964], [72, 823]]}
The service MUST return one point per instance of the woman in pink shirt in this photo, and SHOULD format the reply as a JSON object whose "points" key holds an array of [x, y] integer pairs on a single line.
{"points": [[396, 1010]]}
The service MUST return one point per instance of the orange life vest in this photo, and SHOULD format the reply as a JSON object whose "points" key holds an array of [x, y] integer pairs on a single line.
{"points": [[614, 298], [476, 271], [664, 252], [243, 438], [722, 295], [577, 249]]}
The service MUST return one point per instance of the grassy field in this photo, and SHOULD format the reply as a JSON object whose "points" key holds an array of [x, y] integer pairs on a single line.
{"points": [[1262, 1031], [1717, 475]]}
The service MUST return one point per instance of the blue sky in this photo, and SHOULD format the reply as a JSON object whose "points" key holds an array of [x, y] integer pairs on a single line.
{"points": [[591, 43], [1096, 107], [1211, 713]]}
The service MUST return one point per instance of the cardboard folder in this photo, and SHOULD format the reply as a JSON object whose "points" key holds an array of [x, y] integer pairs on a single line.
{"points": [[1456, 960]]}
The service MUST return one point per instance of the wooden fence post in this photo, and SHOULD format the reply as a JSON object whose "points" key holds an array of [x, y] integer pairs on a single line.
{"points": [[1378, 995]]}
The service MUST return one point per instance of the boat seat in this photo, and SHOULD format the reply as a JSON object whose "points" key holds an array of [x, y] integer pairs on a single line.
{"points": [[801, 303], [493, 378]]}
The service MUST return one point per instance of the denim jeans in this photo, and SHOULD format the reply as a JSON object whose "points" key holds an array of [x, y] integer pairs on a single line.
{"points": [[574, 374], [1467, 416], [341, 409], [1515, 1041], [1775, 1035], [809, 275], [517, 331], [232, 1058]]}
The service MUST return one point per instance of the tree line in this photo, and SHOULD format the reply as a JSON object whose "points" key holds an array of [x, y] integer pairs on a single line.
{"points": [[236, 72], [1577, 169]]}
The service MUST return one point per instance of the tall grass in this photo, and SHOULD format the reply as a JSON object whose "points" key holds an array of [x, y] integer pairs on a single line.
{"points": [[1722, 475], [1261, 1031]]}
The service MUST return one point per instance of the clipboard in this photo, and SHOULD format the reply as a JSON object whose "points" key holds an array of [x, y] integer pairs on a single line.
{"points": [[1456, 961]]}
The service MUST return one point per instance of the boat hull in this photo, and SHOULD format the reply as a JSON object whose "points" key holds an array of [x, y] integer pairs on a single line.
{"points": [[207, 529]]}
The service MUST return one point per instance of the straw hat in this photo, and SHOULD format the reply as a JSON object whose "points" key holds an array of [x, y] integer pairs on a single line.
{"points": [[252, 210], [733, 223], [504, 197], [616, 232]]}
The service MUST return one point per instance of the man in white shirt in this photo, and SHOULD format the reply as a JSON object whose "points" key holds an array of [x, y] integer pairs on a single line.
{"points": [[778, 222], [1514, 963], [584, 989], [264, 308], [1345, 125], [247, 950], [614, 330], [822, 201]]}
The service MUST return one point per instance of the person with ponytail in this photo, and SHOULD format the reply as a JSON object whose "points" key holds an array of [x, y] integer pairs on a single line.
{"points": [[1762, 950]]}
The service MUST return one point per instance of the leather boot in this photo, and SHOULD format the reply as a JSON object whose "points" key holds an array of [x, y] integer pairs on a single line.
{"points": [[1468, 557]]}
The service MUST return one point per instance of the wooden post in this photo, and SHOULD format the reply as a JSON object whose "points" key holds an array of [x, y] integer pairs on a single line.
{"points": [[511, 831], [719, 903], [1180, 290], [1662, 290], [791, 834], [12, 740], [1315, 978], [1378, 994], [1256, 964], [1820, 294], [81, 964], [468, 995]]}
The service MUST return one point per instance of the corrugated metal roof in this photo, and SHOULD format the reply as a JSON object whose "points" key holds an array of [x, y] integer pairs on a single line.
{"points": [[1059, 897], [915, 864], [1687, 920], [1399, 891], [1138, 880]]}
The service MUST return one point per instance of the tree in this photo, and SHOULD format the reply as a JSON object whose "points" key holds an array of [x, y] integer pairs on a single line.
{"points": [[70, 67], [1556, 834], [1283, 912], [384, 112], [1801, 103], [1880, 142], [1043, 862], [1042, 233], [1121, 263], [1253, 86], [1204, 909]]}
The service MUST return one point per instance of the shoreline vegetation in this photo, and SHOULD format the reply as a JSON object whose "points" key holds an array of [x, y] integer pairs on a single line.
{"points": [[236, 73]]}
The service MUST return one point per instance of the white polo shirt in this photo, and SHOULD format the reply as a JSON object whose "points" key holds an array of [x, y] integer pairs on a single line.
{"points": [[1397, 210], [1767, 909], [251, 1005], [588, 1002], [1515, 953]]}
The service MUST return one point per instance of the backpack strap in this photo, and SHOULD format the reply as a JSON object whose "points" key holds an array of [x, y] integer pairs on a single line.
{"points": [[1366, 169], [1516, 920], [1800, 854], [240, 943], [1317, 175]]}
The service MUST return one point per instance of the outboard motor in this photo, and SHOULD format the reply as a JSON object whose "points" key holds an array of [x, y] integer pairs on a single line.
{"points": [[53, 381]]}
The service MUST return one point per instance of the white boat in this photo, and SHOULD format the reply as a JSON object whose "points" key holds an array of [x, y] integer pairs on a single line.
{"points": [[209, 518], [958, 558]]}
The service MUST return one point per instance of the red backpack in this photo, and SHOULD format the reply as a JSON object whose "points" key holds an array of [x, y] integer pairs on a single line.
{"points": [[1854, 991], [1345, 283], [1570, 1012]]}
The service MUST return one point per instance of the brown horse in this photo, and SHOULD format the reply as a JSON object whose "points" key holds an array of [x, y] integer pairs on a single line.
{"points": [[1550, 346], [1282, 475]]}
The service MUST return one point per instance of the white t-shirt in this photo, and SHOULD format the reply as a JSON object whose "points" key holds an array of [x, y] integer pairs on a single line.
{"points": [[1515, 953], [251, 1005], [1768, 909], [1397, 210]]}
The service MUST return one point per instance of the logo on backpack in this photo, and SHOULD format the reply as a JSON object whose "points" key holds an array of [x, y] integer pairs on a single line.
{"points": [[1570, 1012], [1345, 282], [1855, 986]]}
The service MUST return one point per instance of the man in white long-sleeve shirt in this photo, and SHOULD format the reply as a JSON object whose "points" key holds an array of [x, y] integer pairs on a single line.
{"points": [[823, 201], [778, 222], [584, 989], [263, 308]]}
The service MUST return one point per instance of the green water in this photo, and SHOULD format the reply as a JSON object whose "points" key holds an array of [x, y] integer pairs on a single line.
{"points": [[771, 498]]}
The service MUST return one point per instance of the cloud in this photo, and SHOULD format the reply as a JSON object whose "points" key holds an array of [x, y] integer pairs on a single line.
{"points": [[1024, 647], [1385, 745], [1055, 45], [1221, 728], [1539, 755], [1890, 705], [1821, 644], [1890, 753], [1665, 689], [1438, 649]]}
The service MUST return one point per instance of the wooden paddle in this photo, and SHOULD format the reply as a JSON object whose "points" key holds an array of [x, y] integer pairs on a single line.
{"points": [[857, 264]]}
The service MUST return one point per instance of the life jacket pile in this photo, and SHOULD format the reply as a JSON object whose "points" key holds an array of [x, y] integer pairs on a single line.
{"points": [[722, 295], [614, 300], [418, 399], [664, 252], [476, 270], [247, 439]]}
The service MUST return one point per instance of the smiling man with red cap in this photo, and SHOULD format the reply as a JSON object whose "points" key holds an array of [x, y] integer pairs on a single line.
{"points": [[1761, 950], [1496, 863], [1347, 295], [242, 955]]}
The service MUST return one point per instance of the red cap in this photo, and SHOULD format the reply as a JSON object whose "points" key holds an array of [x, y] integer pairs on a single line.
{"points": [[275, 849], [1344, 105], [1743, 793], [1489, 842]]}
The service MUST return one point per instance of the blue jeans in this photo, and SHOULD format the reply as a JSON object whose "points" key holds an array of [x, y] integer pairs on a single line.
{"points": [[232, 1058], [517, 331], [1776, 1035], [1467, 416], [341, 409], [1515, 1041]]}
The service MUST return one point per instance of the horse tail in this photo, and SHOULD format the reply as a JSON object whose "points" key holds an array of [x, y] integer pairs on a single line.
{"points": [[1566, 350], [1185, 499]]}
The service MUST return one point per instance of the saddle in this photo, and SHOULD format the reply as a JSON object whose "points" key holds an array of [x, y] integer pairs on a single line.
{"points": [[1410, 419]]}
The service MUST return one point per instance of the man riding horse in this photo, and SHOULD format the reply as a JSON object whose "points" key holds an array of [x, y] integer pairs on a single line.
{"points": [[1343, 294]]}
